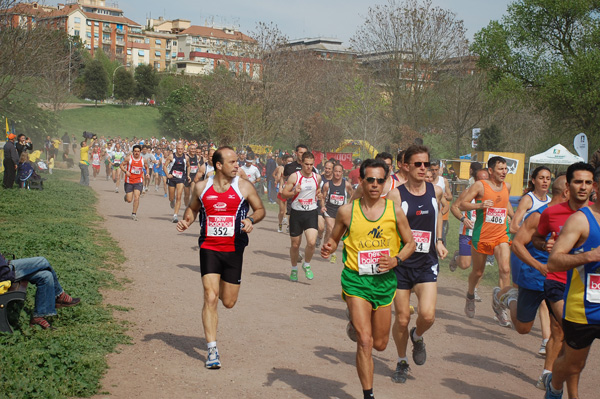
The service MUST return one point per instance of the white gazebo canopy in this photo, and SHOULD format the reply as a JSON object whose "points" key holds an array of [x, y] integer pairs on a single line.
{"points": [[557, 155]]}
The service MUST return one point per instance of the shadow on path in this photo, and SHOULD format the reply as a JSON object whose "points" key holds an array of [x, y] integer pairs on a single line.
{"points": [[477, 391], [308, 385], [276, 255], [183, 343], [278, 276], [333, 312], [489, 364]]}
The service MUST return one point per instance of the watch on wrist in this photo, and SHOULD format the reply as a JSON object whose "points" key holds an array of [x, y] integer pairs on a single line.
{"points": [[462, 219], [251, 219], [439, 239], [398, 260]]}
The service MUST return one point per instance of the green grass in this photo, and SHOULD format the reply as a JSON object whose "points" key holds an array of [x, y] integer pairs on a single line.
{"points": [[60, 223], [111, 120]]}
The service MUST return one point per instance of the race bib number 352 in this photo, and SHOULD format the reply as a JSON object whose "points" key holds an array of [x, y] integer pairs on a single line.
{"points": [[220, 226], [368, 261]]}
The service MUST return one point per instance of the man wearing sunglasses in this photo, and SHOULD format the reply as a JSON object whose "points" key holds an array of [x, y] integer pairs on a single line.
{"points": [[420, 201], [369, 227], [490, 233]]}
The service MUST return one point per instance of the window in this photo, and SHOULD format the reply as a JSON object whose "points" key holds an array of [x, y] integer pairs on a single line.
{"points": [[248, 69], [174, 43], [105, 36], [157, 41], [157, 53], [96, 34], [141, 52], [212, 62], [147, 41], [120, 26], [173, 55], [77, 20], [128, 51], [157, 66], [89, 34], [96, 23], [106, 49], [89, 23]]}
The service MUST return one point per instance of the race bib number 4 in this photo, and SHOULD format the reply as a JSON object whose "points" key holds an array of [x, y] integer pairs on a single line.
{"points": [[495, 215], [177, 174], [337, 199], [592, 292], [220, 226], [368, 261], [423, 240]]}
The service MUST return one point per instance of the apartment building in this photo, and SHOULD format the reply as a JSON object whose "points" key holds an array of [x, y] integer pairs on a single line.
{"points": [[323, 48]]}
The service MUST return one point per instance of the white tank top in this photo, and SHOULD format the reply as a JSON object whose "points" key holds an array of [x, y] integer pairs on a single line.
{"points": [[536, 203], [306, 199]]}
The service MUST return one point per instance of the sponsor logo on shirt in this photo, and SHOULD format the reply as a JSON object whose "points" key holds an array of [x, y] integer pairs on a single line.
{"points": [[220, 207], [212, 197]]}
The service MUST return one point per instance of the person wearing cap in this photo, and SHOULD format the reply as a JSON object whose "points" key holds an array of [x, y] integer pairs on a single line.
{"points": [[251, 170], [11, 160]]}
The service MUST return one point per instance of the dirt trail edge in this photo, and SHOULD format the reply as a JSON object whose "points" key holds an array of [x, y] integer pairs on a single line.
{"points": [[284, 339]]}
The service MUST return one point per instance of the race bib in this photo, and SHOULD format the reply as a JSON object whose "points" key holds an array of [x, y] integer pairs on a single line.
{"points": [[368, 261], [177, 174], [336, 199], [495, 215], [306, 203], [194, 169], [423, 240], [220, 226], [592, 292], [136, 170]]}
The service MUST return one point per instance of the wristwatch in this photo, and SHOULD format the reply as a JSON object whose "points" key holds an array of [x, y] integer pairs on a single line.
{"points": [[251, 219], [440, 239], [398, 260], [462, 219]]}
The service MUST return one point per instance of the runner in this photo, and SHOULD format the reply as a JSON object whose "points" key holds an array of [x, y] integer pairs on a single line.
{"points": [[175, 168], [523, 302], [577, 252], [490, 233], [96, 157], [579, 180], [192, 171], [302, 188], [117, 157], [442, 183], [150, 160], [281, 202], [207, 169], [367, 287], [421, 202], [223, 237], [159, 172], [390, 184], [133, 167], [326, 176], [400, 176], [335, 194]]}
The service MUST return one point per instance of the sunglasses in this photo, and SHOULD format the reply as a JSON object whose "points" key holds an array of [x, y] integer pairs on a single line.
{"points": [[371, 180], [419, 164]]}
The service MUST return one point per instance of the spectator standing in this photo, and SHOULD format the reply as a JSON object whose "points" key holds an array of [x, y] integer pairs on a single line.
{"points": [[23, 144], [84, 163], [11, 160], [65, 143]]}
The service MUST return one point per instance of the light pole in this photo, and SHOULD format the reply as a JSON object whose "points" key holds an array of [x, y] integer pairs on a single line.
{"points": [[113, 80]]}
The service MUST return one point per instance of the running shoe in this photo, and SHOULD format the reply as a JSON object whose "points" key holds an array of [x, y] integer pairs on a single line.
{"points": [[280, 228], [454, 262], [294, 275], [134, 218], [213, 361], [513, 293], [333, 258], [419, 353], [116, 189], [541, 382], [175, 220], [500, 314], [477, 297], [542, 351], [549, 393], [470, 308], [165, 195], [401, 373], [172, 203], [307, 272]]}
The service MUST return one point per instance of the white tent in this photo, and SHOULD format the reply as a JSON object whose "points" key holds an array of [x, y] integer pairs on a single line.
{"points": [[557, 155]]}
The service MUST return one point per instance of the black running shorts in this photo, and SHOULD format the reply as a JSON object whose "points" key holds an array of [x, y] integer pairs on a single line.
{"points": [[227, 264]]}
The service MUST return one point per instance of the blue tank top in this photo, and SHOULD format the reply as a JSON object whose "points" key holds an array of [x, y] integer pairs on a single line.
{"points": [[529, 277], [422, 213], [582, 292]]}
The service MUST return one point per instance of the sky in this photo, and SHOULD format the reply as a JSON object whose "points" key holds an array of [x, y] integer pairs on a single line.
{"points": [[298, 19]]}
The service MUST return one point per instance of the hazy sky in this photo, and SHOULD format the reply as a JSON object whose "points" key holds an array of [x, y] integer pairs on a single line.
{"points": [[298, 19]]}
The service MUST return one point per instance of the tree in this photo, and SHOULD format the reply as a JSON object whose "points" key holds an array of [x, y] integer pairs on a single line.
{"points": [[405, 43], [125, 87], [95, 81], [551, 49], [147, 81], [187, 112], [490, 139]]}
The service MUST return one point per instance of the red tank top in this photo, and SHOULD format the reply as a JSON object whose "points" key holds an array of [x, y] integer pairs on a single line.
{"points": [[136, 168]]}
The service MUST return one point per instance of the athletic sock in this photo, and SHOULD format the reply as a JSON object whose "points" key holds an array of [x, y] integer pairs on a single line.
{"points": [[295, 268], [368, 393], [402, 359], [546, 371], [470, 296], [212, 344], [306, 265], [554, 391], [416, 337], [544, 341]]}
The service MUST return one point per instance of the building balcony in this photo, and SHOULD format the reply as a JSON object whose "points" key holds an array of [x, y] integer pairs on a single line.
{"points": [[120, 42], [107, 28], [120, 31], [106, 41]]}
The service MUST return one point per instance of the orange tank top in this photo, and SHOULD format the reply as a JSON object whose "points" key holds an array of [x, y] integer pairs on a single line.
{"points": [[492, 223]]}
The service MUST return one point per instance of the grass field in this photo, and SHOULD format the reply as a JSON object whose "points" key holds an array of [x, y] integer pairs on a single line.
{"points": [[69, 361], [111, 120]]}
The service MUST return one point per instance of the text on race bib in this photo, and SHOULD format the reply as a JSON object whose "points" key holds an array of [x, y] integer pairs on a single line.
{"points": [[368, 261], [592, 292], [194, 169], [136, 170], [336, 199], [220, 226], [423, 240], [177, 174], [495, 215]]}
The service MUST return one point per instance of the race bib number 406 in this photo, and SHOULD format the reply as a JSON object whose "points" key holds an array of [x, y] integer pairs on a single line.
{"points": [[495, 215], [368, 261], [220, 226]]}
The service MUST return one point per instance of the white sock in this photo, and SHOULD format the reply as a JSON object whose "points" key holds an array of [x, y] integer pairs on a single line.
{"points": [[212, 344], [306, 265], [174, 215], [295, 268], [400, 359], [544, 341], [546, 372], [416, 337]]}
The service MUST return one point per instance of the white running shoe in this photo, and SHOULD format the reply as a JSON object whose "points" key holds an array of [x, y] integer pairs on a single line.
{"points": [[213, 360]]}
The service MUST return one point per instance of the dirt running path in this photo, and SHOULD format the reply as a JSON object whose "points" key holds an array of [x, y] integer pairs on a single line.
{"points": [[284, 339]]}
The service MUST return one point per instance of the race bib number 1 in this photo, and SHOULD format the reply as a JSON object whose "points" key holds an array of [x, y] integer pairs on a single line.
{"points": [[423, 240], [592, 292], [368, 261], [495, 215], [220, 226]]}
